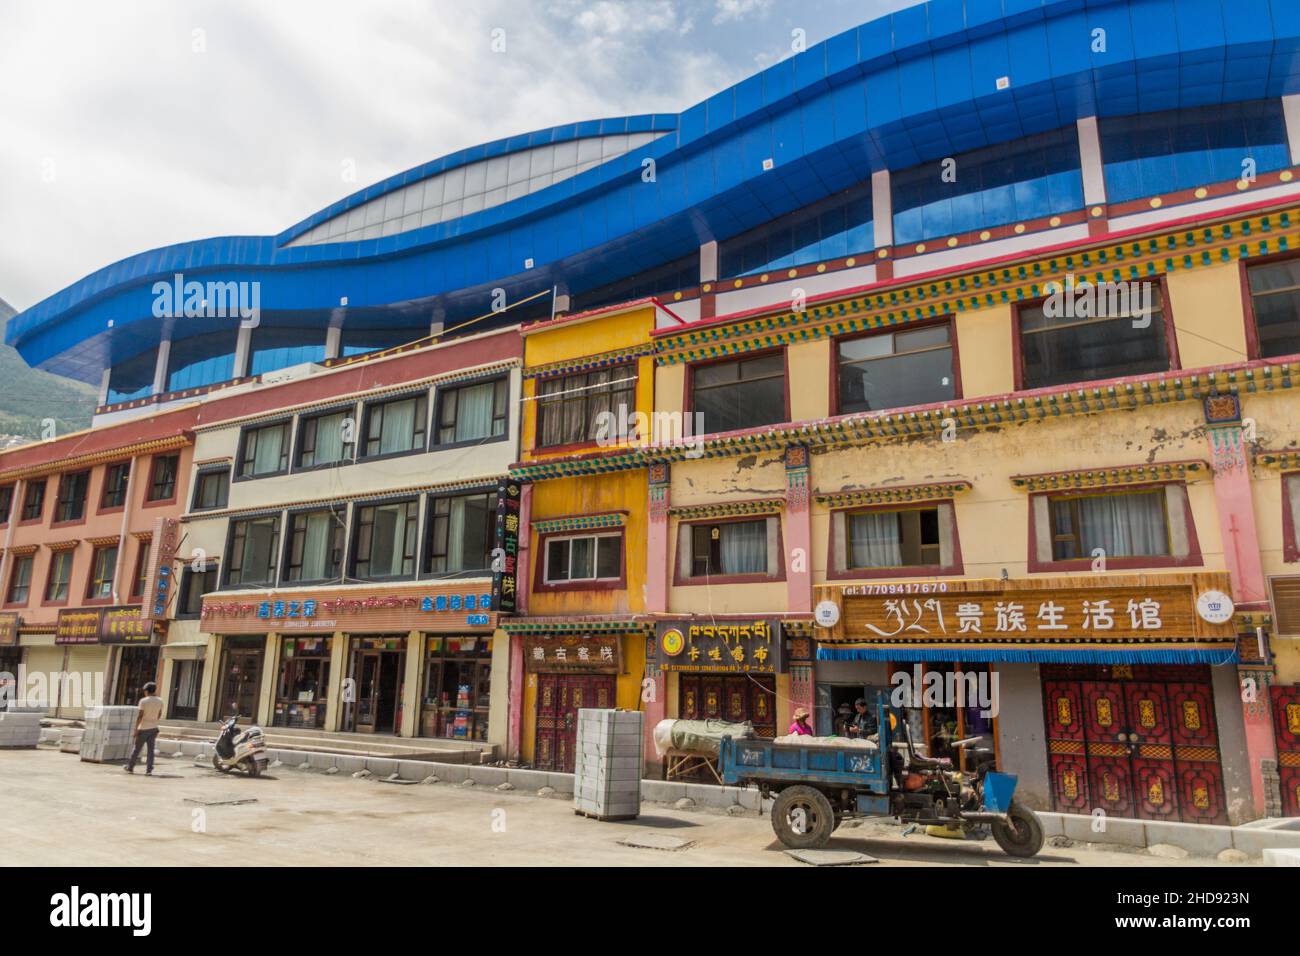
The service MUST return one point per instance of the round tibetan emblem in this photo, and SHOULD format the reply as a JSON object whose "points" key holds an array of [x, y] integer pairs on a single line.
{"points": [[672, 642]]}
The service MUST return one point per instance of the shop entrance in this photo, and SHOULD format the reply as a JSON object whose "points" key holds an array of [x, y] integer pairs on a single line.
{"points": [[187, 679], [377, 669], [241, 676], [559, 697], [1286, 727], [1135, 740], [303, 684], [136, 667], [732, 697]]}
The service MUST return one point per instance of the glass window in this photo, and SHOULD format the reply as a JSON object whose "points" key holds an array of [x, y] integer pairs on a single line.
{"points": [[71, 505], [1275, 300], [315, 546], [274, 349], [201, 360], [893, 539], [830, 229], [162, 478], [385, 540], [141, 569], [264, 451], [396, 427], [472, 412], [462, 529], [6, 503], [103, 569], [252, 552], [20, 579], [680, 274], [896, 369], [360, 341], [211, 489], [573, 409], [732, 547], [56, 586], [115, 481], [132, 378], [740, 393], [34, 500], [327, 439], [1119, 340], [457, 687], [1122, 524], [584, 558], [195, 584]]}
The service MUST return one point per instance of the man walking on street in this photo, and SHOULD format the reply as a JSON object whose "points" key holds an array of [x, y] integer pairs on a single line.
{"points": [[146, 727]]}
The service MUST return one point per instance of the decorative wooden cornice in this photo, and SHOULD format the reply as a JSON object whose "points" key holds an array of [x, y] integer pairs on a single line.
{"points": [[612, 519], [1284, 459], [1147, 257], [53, 465], [574, 466], [728, 509], [900, 494], [103, 541], [588, 362], [142, 535], [21, 550], [1112, 477], [210, 462], [64, 545], [577, 625]]}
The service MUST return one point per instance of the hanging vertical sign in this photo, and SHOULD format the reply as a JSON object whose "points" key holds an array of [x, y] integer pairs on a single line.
{"points": [[160, 586], [505, 553]]}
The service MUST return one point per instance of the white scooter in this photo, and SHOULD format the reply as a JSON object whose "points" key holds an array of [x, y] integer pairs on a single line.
{"points": [[246, 752]]}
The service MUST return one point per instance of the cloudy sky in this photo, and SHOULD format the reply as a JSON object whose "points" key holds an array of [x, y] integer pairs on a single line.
{"points": [[134, 124]]}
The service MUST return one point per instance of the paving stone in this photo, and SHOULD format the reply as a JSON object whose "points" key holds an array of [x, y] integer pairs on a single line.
{"points": [[656, 841], [1167, 851], [1232, 856], [831, 857]]}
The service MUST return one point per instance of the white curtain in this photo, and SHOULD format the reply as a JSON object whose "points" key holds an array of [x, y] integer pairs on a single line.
{"points": [[316, 546], [329, 438], [874, 540], [399, 427], [474, 412], [744, 547], [270, 443], [456, 535], [386, 542], [1124, 525]]}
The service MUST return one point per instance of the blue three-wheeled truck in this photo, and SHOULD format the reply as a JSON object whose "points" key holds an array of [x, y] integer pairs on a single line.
{"points": [[819, 783]]}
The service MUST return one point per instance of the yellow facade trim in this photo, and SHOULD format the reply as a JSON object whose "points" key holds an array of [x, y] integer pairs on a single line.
{"points": [[1112, 477], [901, 494]]}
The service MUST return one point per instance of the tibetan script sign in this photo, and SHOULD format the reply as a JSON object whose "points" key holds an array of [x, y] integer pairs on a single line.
{"points": [[719, 646], [77, 627], [124, 625]]}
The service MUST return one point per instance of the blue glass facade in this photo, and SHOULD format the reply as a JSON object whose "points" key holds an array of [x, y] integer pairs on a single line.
{"points": [[1153, 153], [274, 349], [995, 186], [202, 360], [132, 378], [838, 227], [359, 341]]}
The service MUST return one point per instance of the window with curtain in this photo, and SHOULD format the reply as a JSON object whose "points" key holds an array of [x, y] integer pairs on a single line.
{"points": [[103, 568], [584, 558], [115, 479], [162, 477], [1122, 524], [326, 439], [20, 579], [727, 548], [740, 393], [253, 546], [264, 451], [315, 546], [462, 529], [34, 500], [1275, 301], [195, 584], [211, 489], [893, 539], [56, 586], [71, 505], [472, 412], [141, 569], [1063, 349], [396, 427], [896, 369], [385, 540], [570, 408]]}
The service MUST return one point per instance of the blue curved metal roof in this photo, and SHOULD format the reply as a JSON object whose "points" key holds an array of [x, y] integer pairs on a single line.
{"points": [[918, 85]]}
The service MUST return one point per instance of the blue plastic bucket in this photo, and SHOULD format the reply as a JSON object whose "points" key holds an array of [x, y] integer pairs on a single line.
{"points": [[998, 790]]}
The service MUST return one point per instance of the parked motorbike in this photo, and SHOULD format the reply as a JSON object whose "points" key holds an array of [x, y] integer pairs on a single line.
{"points": [[240, 751]]}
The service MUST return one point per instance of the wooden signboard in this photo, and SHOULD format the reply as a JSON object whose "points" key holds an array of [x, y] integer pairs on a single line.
{"points": [[78, 626], [573, 653], [9, 624], [720, 646]]}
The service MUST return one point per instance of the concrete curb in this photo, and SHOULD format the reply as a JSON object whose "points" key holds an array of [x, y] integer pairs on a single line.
{"points": [[1198, 839]]}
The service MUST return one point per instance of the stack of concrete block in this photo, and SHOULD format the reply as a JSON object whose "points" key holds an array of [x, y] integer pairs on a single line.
{"points": [[19, 730], [109, 734], [607, 764]]}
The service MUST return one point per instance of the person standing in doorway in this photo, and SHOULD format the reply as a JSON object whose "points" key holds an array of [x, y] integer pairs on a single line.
{"points": [[146, 727]]}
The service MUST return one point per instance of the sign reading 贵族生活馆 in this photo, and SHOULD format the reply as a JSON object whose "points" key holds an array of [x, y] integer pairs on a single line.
{"points": [[1076, 618], [710, 645]]}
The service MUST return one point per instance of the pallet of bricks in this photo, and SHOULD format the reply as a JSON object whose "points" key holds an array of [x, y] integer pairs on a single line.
{"points": [[607, 764], [20, 727], [110, 734]]}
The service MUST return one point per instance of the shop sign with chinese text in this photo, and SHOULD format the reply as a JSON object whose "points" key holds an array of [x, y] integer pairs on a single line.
{"points": [[705, 645], [589, 653]]}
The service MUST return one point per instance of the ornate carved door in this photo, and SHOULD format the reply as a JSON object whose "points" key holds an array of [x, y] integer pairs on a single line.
{"points": [[559, 698], [1197, 762], [1150, 746], [1286, 729], [1110, 780], [1067, 762]]}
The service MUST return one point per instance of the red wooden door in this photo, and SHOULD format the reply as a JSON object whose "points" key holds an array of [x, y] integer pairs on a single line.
{"points": [[548, 686], [1067, 762], [1150, 741], [559, 698], [1199, 772], [1110, 780], [1286, 730]]}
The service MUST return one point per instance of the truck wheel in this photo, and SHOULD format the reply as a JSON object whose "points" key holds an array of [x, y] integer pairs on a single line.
{"points": [[802, 818], [1022, 835]]}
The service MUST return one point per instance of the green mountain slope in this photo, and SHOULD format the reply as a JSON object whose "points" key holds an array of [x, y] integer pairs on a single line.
{"points": [[28, 397]]}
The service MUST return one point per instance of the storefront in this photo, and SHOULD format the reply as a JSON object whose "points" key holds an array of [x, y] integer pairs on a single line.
{"points": [[457, 687], [186, 686], [1097, 690], [134, 657], [376, 671], [570, 671], [74, 676], [240, 685], [302, 689]]}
